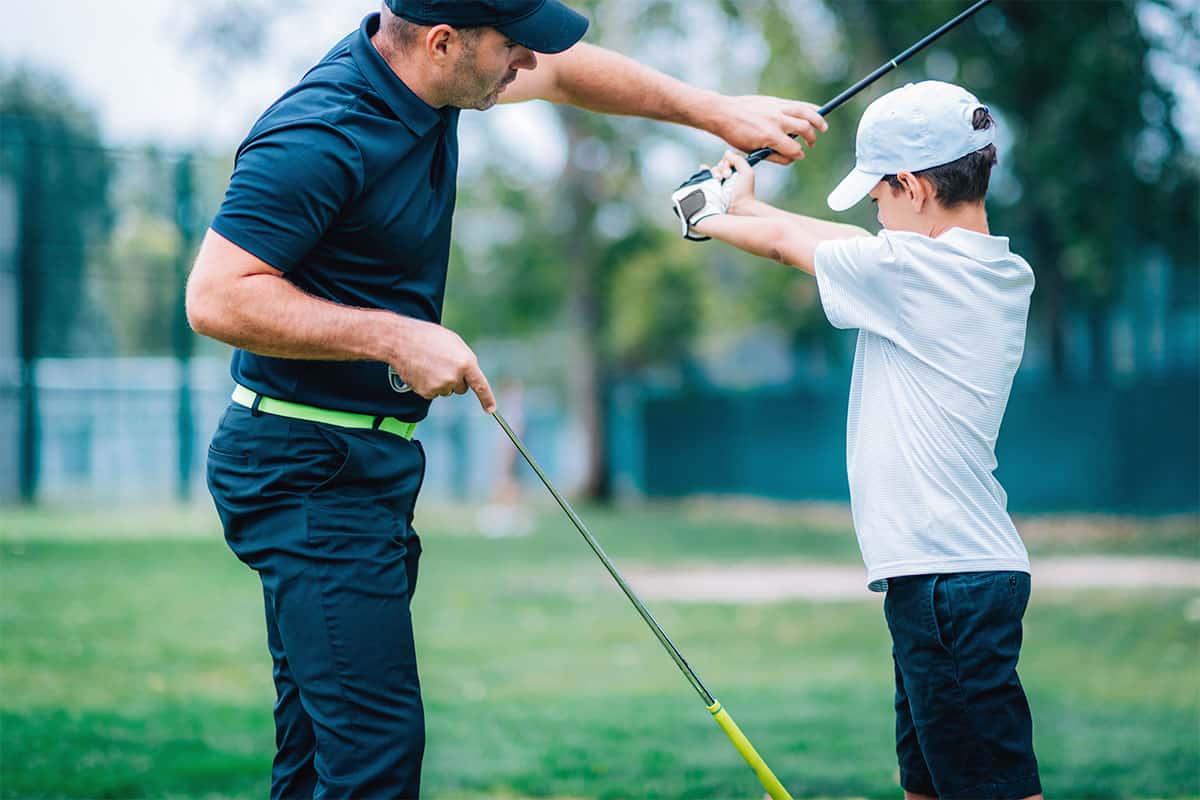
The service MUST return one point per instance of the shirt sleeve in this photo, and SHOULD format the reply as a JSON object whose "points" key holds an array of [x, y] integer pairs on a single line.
{"points": [[860, 281], [288, 185]]}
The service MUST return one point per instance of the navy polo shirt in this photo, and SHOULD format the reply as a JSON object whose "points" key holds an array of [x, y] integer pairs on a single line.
{"points": [[346, 184]]}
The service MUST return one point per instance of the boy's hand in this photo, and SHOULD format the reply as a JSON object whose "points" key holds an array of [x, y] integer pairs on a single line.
{"points": [[738, 181], [696, 202]]}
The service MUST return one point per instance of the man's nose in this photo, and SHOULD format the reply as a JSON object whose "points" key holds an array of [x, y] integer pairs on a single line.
{"points": [[525, 58]]}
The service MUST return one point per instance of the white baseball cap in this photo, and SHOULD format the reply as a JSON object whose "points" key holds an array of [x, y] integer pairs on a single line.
{"points": [[916, 127]]}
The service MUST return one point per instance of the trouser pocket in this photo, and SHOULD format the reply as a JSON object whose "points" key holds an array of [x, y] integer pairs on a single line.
{"points": [[941, 613]]}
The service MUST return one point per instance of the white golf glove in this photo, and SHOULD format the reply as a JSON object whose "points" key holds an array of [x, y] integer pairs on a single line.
{"points": [[692, 203]]}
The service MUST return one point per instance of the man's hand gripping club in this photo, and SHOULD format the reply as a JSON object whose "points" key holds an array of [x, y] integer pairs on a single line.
{"points": [[434, 361], [706, 194]]}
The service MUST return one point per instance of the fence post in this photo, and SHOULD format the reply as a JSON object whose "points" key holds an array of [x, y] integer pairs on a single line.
{"points": [[29, 307], [181, 333]]}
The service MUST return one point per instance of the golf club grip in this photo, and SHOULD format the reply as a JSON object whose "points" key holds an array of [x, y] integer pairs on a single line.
{"points": [[765, 776], [883, 69]]}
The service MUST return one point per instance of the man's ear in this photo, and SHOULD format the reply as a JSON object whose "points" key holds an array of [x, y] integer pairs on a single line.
{"points": [[439, 42], [917, 190]]}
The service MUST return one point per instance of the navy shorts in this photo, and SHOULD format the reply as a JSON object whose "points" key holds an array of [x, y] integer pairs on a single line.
{"points": [[324, 516], [963, 727]]}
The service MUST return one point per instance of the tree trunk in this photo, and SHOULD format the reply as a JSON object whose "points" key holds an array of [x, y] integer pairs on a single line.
{"points": [[29, 309], [181, 332], [586, 385], [1050, 288], [1100, 344]]}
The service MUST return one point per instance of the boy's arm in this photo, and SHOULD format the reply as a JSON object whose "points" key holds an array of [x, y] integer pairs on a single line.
{"points": [[759, 228], [602, 80], [772, 233]]}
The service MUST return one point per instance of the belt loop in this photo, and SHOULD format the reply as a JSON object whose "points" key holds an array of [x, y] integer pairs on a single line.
{"points": [[254, 406], [378, 421]]}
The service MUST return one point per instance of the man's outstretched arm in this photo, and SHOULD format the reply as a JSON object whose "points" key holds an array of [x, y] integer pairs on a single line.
{"points": [[602, 80]]}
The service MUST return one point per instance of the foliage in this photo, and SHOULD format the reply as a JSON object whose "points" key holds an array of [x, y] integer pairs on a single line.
{"points": [[1094, 178], [1094, 181], [50, 150], [1094, 175], [139, 283]]}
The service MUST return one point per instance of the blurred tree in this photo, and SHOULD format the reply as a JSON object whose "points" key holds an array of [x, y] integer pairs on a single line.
{"points": [[50, 151], [50, 147], [138, 274], [1101, 172], [141, 273], [1094, 173]]}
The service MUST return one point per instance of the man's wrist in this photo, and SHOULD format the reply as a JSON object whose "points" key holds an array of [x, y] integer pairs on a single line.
{"points": [[391, 337], [704, 110]]}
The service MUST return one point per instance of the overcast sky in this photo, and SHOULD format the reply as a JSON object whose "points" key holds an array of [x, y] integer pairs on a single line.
{"points": [[135, 64]]}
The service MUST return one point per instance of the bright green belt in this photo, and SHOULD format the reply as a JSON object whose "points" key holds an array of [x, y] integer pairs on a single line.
{"points": [[343, 419]]}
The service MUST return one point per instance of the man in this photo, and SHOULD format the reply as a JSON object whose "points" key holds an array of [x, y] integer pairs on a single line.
{"points": [[325, 267]]}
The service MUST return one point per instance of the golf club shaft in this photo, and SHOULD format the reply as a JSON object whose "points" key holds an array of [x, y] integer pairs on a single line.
{"points": [[766, 777], [885, 68], [684, 667]]}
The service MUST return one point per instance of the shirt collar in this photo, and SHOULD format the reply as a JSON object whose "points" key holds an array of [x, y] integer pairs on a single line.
{"points": [[414, 112], [974, 242]]}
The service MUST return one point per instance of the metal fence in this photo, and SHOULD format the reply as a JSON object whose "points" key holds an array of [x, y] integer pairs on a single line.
{"points": [[109, 433], [1129, 449]]}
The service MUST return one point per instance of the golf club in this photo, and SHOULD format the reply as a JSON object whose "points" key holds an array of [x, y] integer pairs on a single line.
{"points": [[765, 776], [766, 152]]}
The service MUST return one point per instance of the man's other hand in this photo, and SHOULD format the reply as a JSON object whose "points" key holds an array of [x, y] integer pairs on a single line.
{"points": [[435, 362]]}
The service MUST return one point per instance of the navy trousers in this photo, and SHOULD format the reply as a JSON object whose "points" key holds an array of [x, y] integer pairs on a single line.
{"points": [[324, 516]]}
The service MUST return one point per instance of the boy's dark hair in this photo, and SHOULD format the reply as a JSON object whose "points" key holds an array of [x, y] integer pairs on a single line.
{"points": [[964, 180]]}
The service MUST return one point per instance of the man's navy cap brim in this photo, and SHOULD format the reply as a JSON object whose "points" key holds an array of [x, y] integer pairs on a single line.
{"points": [[552, 28]]}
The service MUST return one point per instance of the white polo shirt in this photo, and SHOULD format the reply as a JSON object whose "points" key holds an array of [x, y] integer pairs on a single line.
{"points": [[941, 332]]}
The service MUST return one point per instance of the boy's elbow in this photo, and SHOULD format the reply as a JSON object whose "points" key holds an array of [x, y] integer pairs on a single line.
{"points": [[785, 249], [775, 253], [777, 244]]}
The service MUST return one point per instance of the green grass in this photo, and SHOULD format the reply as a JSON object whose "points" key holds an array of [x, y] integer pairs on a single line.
{"points": [[134, 665]]}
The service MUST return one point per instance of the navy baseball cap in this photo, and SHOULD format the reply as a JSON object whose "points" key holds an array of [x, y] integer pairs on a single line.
{"points": [[544, 26]]}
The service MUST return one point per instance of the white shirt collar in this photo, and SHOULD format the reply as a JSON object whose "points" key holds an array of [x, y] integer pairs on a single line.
{"points": [[974, 242]]}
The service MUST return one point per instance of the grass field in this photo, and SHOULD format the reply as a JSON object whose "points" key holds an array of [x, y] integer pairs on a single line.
{"points": [[134, 664]]}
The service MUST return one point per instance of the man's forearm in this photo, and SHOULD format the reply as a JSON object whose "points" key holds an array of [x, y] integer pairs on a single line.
{"points": [[268, 315], [604, 81]]}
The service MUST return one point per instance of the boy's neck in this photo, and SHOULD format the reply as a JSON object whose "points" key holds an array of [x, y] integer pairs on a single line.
{"points": [[969, 216]]}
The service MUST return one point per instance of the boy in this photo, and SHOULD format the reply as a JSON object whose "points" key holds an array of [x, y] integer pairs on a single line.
{"points": [[941, 307]]}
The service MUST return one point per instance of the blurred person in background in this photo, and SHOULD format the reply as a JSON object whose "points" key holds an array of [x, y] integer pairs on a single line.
{"points": [[325, 267]]}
